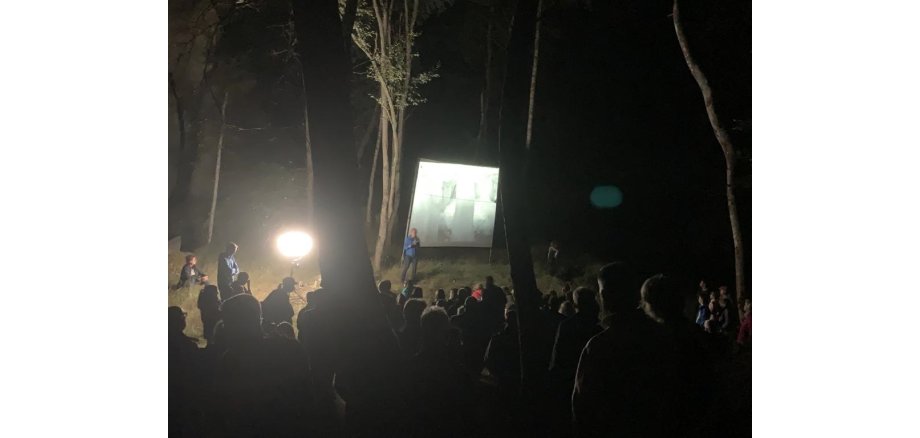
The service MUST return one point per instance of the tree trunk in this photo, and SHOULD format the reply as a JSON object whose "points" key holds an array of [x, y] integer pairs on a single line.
{"points": [[398, 141], [728, 150], [385, 195], [338, 229], [220, 147], [395, 186], [348, 19], [513, 154], [394, 206], [366, 348], [181, 162], [500, 24], [484, 98], [370, 184], [365, 139], [533, 75], [309, 149]]}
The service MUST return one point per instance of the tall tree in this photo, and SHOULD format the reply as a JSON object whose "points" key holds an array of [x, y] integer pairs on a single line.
{"points": [[385, 33], [372, 180], [342, 252], [533, 74], [513, 155], [365, 339], [220, 148], [498, 31], [311, 208], [732, 157]]}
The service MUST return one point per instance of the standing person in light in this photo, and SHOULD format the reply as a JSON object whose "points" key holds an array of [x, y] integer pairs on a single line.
{"points": [[410, 253], [227, 270]]}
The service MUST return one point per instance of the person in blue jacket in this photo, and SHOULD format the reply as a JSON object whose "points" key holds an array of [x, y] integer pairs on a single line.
{"points": [[410, 253]]}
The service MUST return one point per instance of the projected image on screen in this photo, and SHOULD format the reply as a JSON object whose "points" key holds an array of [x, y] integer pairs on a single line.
{"points": [[454, 204]]}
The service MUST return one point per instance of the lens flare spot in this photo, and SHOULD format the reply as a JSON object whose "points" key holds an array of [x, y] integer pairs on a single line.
{"points": [[606, 197]]}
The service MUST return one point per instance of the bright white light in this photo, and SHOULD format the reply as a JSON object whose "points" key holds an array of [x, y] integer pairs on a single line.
{"points": [[294, 244]]}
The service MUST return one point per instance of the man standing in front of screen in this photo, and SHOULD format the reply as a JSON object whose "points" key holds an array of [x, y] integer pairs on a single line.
{"points": [[410, 253]]}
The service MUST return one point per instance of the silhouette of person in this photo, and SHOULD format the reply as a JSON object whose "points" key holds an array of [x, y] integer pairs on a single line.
{"points": [[494, 301], [183, 368], [209, 306], [702, 313], [178, 341], [567, 309], [388, 303], [572, 335], [616, 387], [452, 301], [241, 284], [744, 332], [314, 326], [410, 335], [262, 385], [285, 330], [552, 258], [716, 317], [730, 311], [684, 375], [438, 392], [453, 308], [227, 269], [502, 357], [276, 307], [439, 296], [475, 335], [408, 288]]}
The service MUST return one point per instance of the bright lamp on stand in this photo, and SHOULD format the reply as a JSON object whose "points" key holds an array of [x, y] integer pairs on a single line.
{"points": [[294, 245]]}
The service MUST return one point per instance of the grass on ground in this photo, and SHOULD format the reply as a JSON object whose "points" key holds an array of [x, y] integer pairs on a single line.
{"points": [[266, 271]]}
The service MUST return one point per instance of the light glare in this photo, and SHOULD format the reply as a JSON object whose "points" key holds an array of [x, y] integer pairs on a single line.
{"points": [[294, 244]]}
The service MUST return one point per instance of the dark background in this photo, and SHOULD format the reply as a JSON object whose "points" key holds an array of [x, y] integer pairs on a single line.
{"points": [[615, 105]]}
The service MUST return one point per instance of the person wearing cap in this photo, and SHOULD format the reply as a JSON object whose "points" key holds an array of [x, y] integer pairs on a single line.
{"points": [[277, 308]]}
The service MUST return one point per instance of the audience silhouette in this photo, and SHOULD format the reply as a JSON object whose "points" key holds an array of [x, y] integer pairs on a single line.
{"points": [[627, 362]]}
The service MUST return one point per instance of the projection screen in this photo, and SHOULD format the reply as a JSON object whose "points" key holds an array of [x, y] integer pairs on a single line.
{"points": [[454, 204]]}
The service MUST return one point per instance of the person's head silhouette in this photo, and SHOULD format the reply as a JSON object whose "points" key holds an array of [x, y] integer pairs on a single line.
{"points": [[242, 316], [586, 303], [176, 320], [661, 299], [285, 330], [412, 312], [616, 282], [210, 292], [435, 325]]}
